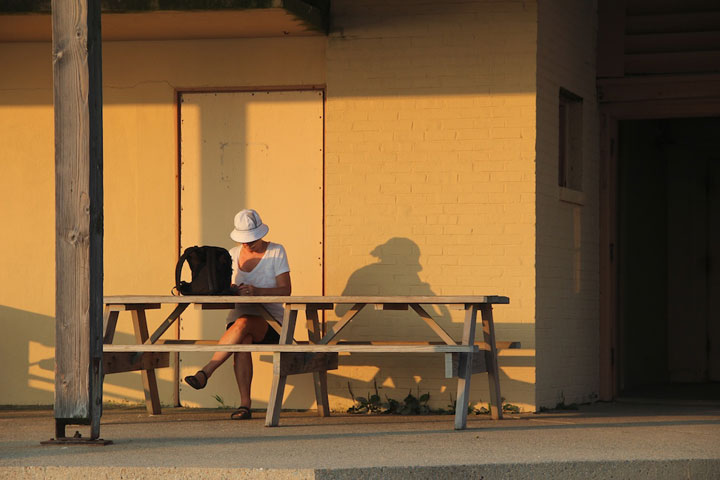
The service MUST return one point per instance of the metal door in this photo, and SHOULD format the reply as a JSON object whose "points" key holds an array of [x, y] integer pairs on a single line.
{"points": [[260, 150]]}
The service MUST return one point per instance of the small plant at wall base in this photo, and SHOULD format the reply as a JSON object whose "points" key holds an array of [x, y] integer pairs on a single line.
{"points": [[509, 407], [453, 405], [220, 401], [413, 405], [483, 410]]}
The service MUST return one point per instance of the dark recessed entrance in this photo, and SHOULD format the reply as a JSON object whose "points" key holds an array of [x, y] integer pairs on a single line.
{"points": [[669, 258]]}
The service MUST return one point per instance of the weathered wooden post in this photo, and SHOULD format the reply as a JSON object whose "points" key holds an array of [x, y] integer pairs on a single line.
{"points": [[77, 80]]}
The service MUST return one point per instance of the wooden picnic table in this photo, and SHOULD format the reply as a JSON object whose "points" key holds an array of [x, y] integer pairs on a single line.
{"points": [[320, 353]]}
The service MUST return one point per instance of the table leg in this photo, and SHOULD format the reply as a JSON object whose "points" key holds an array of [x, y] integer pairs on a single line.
{"points": [[465, 369], [492, 362], [152, 398], [110, 318], [319, 378], [272, 417]]}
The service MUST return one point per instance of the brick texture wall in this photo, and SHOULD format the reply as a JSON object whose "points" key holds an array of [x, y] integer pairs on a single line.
{"points": [[430, 178], [440, 177], [567, 233]]}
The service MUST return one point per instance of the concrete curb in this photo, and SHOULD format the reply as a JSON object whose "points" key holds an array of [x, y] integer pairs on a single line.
{"points": [[651, 469], [124, 473]]}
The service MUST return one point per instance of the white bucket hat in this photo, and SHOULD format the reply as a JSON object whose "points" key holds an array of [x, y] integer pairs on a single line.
{"points": [[248, 227]]}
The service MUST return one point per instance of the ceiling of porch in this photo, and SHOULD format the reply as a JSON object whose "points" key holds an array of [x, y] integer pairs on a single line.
{"points": [[30, 20]]}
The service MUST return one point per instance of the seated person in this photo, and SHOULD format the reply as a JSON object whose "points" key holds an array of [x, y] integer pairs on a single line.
{"points": [[259, 268]]}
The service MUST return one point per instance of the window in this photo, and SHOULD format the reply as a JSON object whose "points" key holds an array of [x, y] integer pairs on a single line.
{"points": [[570, 141]]}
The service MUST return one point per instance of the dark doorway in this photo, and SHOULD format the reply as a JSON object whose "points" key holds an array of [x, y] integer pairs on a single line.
{"points": [[669, 258]]}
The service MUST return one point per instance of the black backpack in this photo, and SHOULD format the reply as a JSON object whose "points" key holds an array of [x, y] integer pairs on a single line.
{"points": [[211, 269]]}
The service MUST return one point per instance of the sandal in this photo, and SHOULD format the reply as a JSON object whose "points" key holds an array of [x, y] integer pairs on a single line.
{"points": [[193, 381], [242, 413]]}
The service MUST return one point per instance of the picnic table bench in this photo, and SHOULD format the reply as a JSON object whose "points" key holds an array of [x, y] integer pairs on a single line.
{"points": [[317, 355]]}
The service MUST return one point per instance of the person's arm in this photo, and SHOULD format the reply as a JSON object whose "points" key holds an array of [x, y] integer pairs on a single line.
{"points": [[283, 288]]}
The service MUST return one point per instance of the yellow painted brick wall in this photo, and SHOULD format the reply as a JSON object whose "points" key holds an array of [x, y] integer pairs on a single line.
{"points": [[430, 179], [429, 171], [567, 233], [140, 168]]}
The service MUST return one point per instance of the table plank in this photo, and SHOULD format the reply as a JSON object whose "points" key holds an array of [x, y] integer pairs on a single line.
{"points": [[500, 345], [173, 347], [119, 362], [132, 306], [208, 299]]}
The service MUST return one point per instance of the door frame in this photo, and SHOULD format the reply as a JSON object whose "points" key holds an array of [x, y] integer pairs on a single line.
{"points": [[634, 98], [177, 98]]}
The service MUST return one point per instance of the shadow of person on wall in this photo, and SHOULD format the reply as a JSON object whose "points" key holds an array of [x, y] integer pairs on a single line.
{"points": [[395, 273]]}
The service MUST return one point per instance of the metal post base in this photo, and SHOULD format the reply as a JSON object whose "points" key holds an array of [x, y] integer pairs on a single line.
{"points": [[76, 439]]}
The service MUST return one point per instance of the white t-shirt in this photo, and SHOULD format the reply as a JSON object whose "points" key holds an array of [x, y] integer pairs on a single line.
{"points": [[272, 264]]}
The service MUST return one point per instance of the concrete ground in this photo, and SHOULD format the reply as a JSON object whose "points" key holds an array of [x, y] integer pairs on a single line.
{"points": [[605, 440]]}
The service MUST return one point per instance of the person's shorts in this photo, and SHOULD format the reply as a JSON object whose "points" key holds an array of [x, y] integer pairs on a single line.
{"points": [[271, 336]]}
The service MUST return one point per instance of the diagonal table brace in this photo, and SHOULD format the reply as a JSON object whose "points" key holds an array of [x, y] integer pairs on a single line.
{"points": [[433, 324], [272, 321], [330, 337], [179, 309]]}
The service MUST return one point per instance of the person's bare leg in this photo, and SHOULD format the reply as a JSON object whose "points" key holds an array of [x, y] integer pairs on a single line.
{"points": [[244, 326], [232, 336], [244, 373]]}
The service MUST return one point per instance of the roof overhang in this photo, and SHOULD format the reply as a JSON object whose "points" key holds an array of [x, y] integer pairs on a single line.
{"points": [[30, 20]]}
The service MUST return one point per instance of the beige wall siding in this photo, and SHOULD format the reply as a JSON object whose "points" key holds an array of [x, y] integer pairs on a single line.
{"points": [[141, 158], [27, 189], [430, 179], [430, 149], [567, 234]]}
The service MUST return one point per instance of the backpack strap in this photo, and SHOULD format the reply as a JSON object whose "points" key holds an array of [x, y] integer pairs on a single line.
{"points": [[179, 285]]}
